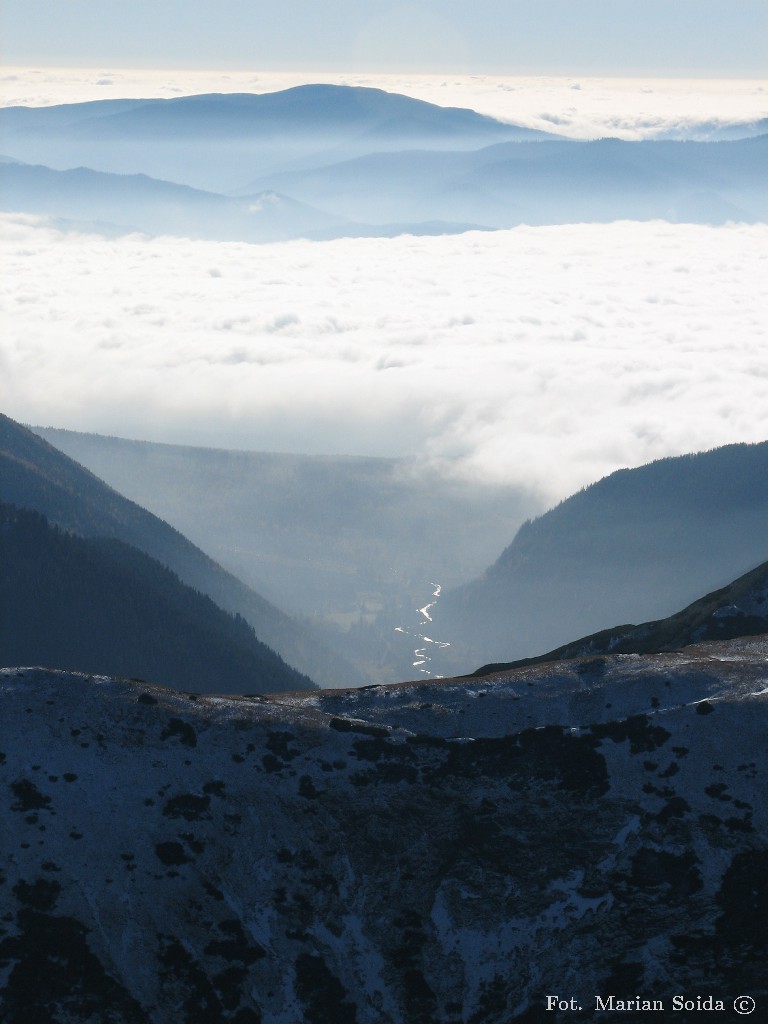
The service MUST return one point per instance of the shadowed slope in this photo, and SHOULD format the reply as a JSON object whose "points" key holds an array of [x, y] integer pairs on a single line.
{"points": [[635, 546], [738, 610], [104, 607], [35, 475]]}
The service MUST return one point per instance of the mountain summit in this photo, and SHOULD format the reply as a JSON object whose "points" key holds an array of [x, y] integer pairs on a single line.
{"points": [[219, 142]]}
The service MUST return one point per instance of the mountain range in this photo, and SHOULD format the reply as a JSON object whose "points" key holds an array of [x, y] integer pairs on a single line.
{"points": [[440, 851], [321, 161], [118, 204], [636, 546], [125, 203], [193, 832], [544, 182], [299, 127], [350, 543]]}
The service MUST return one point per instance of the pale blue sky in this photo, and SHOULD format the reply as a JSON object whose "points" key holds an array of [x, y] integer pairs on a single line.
{"points": [[708, 38]]}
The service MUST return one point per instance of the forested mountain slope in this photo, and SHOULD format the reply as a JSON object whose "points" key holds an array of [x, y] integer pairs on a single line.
{"points": [[633, 547], [33, 474], [740, 609], [98, 605]]}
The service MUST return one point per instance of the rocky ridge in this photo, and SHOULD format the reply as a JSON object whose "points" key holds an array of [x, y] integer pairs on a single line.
{"points": [[439, 851]]}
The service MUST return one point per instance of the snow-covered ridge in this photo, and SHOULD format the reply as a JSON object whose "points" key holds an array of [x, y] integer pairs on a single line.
{"points": [[434, 851]]}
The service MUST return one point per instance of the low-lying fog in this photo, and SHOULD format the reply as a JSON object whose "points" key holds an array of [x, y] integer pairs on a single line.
{"points": [[544, 357]]}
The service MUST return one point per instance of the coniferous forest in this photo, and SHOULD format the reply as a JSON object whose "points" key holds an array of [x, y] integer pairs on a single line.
{"points": [[102, 606]]}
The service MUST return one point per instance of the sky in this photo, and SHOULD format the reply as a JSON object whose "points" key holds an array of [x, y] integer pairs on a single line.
{"points": [[545, 357], [701, 38]]}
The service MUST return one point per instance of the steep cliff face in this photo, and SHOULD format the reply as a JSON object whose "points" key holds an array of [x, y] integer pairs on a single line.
{"points": [[431, 852]]}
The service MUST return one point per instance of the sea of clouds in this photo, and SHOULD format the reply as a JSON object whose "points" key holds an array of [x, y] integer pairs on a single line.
{"points": [[544, 356]]}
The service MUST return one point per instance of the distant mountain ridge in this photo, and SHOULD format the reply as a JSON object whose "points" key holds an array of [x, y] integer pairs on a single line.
{"points": [[241, 133], [344, 161], [545, 182], [352, 108], [35, 475], [139, 203], [352, 542], [341, 109], [127, 203]]}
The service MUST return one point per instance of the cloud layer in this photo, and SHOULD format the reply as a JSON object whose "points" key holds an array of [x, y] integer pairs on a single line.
{"points": [[544, 356]]}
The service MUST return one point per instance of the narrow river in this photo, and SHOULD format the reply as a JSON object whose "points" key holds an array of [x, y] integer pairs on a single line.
{"points": [[423, 655]]}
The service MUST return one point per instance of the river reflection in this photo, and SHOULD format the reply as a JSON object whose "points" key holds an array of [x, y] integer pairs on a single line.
{"points": [[423, 654]]}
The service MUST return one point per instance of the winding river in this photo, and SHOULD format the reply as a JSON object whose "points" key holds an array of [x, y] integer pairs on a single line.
{"points": [[423, 654]]}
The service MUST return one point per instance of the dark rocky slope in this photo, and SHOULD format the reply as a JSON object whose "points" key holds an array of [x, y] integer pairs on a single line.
{"points": [[433, 852]]}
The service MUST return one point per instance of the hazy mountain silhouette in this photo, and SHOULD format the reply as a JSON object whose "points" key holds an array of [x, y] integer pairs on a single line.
{"points": [[346, 110], [37, 476], [356, 157], [61, 115], [544, 183], [635, 546], [220, 141], [115, 204], [104, 607], [136, 202]]}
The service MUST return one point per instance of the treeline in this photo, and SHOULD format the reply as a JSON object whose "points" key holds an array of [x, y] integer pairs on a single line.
{"points": [[99, 605]]}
